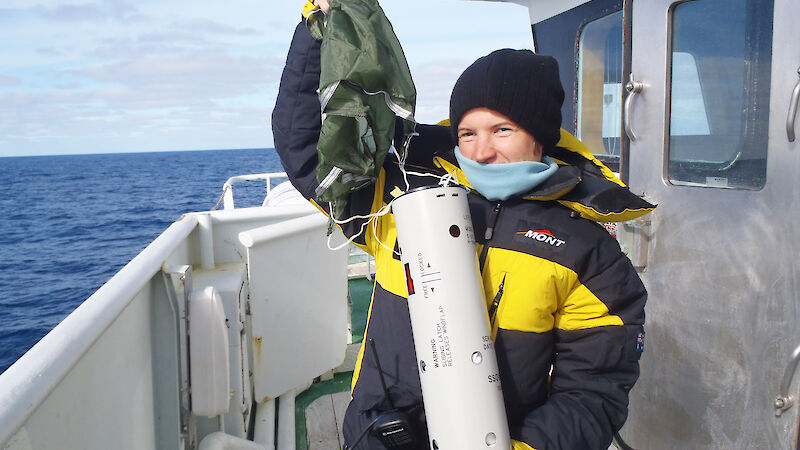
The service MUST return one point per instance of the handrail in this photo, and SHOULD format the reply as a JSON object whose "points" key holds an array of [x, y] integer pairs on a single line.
{"points": [[784, 401], [793, 110], [227, 187], [633, 87]]}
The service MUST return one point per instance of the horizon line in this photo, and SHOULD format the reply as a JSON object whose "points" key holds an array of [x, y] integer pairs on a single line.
{"points": [[137, 152]]}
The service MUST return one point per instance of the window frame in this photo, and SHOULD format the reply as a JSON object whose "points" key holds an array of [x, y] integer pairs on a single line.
{"points": [[667, 147]]}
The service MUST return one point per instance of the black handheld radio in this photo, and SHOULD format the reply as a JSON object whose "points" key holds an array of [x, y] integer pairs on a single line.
{"points": [[392, 428]]}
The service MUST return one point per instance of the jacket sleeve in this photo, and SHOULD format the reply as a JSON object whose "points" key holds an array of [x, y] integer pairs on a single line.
{"points": [[599, 340], [296, 119], [296, 124]]}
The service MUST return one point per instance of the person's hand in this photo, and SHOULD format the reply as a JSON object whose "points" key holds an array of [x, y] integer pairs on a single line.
{"points": [[314, 5], [322, 4], [315, 22]]}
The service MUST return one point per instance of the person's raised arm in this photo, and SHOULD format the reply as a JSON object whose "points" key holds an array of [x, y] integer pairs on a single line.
{"points": [[297, 120]]}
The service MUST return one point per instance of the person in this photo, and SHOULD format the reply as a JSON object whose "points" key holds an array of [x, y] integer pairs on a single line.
{"points": [[565, 304]]}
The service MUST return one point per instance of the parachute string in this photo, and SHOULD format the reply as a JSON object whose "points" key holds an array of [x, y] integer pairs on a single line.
{"points": [[377, 239], [377, 213], [348, 241], [401, 159], [401, 162], [373, 218], [449, 177]]}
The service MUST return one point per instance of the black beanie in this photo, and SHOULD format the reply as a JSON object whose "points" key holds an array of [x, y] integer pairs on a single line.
{"points": [[519, 84]]}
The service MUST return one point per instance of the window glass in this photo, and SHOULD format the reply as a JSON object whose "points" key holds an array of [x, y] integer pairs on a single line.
{"points": [[719, 93], [599, 104]]}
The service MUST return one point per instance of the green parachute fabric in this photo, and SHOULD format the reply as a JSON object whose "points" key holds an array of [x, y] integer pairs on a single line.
{"points": [[364, 83]]}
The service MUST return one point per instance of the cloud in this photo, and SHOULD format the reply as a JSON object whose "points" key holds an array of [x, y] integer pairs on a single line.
{"points": [[209, 26], [90, 12], [178, 78], [76, 122], [434, 82], [49, 51], [9, 80], [93, 75], [195, 33], [69, 86]]}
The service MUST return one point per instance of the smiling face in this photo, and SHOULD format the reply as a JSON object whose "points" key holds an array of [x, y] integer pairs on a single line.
{"points": [[486, 136]]}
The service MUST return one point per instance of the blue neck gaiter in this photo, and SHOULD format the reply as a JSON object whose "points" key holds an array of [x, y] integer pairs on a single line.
{"points": [[501, 181]]}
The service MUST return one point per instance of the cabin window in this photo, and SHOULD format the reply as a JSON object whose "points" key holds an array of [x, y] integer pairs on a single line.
{"points": [[599, 103], [719, 93], [593, 27]]}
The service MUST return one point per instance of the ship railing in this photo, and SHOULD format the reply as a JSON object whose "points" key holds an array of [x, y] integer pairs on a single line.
{"points": [[227, 188]]}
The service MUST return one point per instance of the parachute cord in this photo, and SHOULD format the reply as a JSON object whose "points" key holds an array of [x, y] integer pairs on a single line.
{"points": [[369, 218], [401, 159], [377, 239], [401, 162], [450, 177], [377, 213], [348, 241], [422, 174]]}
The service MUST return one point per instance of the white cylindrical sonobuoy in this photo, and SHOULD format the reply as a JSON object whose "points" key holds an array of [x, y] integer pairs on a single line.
{"points": [[455, 352]]}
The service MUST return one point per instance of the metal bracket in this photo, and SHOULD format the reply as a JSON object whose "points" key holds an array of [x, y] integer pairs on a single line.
{"points": [[782, 404], [784, 401], [181, 316], [634, 238]]}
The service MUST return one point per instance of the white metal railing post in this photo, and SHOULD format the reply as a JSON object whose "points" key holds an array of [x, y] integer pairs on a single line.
{"points": [[264, 432], [286, 433], [206, 232], [227, 195]]}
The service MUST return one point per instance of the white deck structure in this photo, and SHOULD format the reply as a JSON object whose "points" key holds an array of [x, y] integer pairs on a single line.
{"points": [[120, 371]]}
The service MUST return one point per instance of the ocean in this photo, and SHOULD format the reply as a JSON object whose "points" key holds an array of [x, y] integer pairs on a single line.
{"points": [[71, 222]]}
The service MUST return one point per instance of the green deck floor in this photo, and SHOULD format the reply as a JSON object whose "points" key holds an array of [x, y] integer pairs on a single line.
{"points": [[360, 295]]}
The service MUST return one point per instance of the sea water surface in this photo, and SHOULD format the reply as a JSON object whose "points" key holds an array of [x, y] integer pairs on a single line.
{"points": [[69, 223]]}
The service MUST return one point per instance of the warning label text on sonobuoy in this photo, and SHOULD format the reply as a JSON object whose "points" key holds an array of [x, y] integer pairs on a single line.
{"points": [[445, 357]]}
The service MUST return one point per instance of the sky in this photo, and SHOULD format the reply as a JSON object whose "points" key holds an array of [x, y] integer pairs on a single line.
{"points": [[163, 75]]}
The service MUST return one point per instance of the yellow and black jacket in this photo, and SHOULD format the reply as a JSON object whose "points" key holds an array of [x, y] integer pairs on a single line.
{"points": [[566, 306]]}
